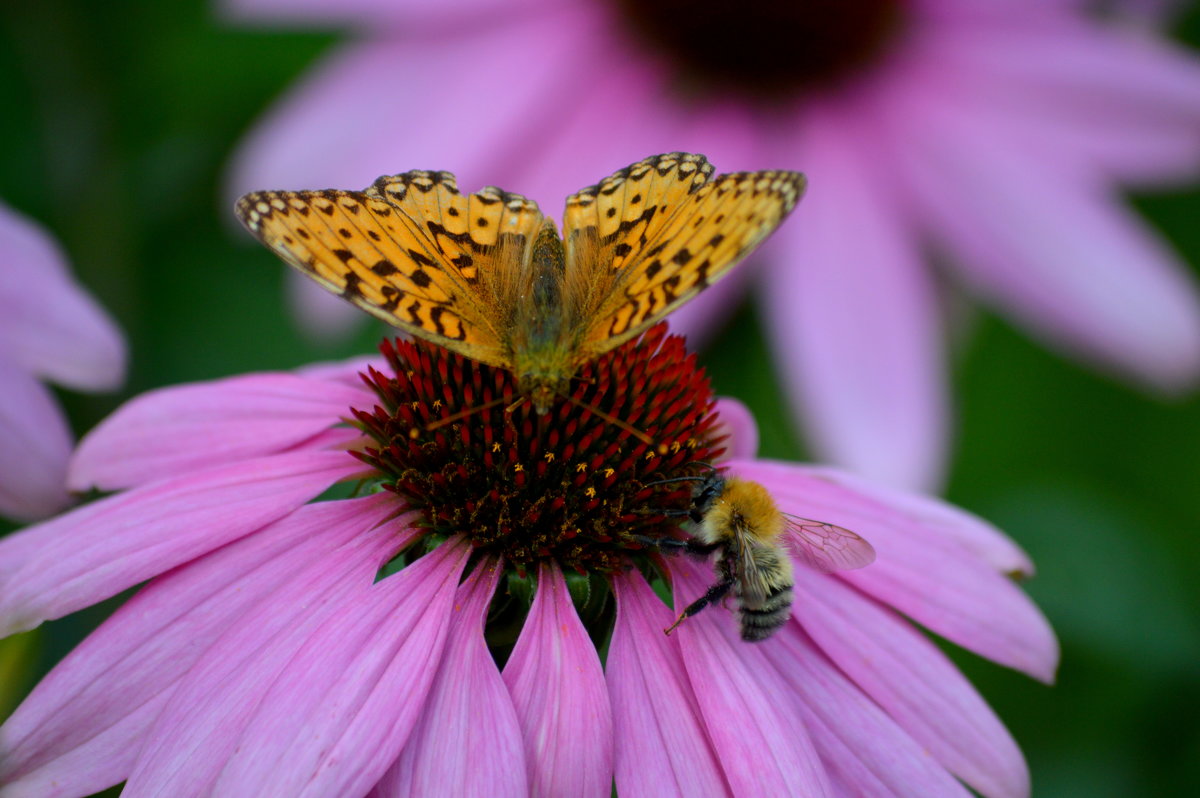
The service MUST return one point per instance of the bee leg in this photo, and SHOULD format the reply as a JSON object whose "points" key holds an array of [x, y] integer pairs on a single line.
{"points": [[689, 545], [714, 593]]}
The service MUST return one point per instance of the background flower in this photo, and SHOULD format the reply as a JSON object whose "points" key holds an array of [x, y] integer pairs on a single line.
{"points": [[991, 137], [50, 329]]}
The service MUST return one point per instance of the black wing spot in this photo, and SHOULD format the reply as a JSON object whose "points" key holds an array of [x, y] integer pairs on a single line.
{"points": [[419, 259], [622, 249], [384, 268], [420, 278], [344, 255], [681, 257]]}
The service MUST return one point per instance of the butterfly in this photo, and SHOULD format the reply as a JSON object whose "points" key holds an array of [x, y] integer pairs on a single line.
{"points": [[486, 275]]}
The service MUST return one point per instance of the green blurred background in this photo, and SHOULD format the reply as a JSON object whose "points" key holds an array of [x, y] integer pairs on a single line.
{"points": [[118, 122]]}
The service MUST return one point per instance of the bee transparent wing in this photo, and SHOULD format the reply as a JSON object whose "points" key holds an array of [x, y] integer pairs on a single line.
{"points": [[828, 548]]}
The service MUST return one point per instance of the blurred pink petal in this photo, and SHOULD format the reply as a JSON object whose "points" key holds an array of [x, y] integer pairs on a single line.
{"points": [[81, 728], [468, 740], [913, 682], [187, 428], [369, 15], [738, 423], [859, 313], [662, 748], [968, 602], [319, 315], [557, 687], [97, 551], [375, 80], [35, 443], [48, 325], [862, 747], [750, 713], [1093, 278]]}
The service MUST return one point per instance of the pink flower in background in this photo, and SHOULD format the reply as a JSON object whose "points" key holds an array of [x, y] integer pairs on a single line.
{"points": [[992, 135], [269, 655], [50, 329]]}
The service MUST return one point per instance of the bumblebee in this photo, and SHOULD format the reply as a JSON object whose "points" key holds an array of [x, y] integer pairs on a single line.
{"points": [[739, 520]]}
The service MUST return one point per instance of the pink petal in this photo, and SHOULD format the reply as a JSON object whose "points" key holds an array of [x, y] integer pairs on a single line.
{"points": [[48, 324], [468, 740], [371, 15], [750, 712], [301, 145], [1057, 251], [188, 428], [89, 554], [918, 570], [34, 445], [662, 748], [319, 315], [857, 741], [913, 682], [978, 536], [854, 318], [558, 689], [737, 422], [340, 713], [1068, 66], [312, 645], [81, 727]]}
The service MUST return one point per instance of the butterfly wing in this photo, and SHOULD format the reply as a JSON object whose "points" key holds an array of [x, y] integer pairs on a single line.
{"points": [[410, 250], [653, 235]]}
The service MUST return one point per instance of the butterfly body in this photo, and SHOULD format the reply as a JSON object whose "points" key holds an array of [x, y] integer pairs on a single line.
{"points": [[538, 338], [486, 275]]}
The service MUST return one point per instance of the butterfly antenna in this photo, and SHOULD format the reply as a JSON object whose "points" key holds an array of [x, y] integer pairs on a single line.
{"points": [[415, 432], [616, 422]]}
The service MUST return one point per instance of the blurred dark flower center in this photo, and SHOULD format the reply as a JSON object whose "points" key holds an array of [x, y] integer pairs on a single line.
{"points": [[569, 486], [769, 48]]}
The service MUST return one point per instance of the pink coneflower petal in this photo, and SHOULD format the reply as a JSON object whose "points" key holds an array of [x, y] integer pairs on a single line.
{"points": [[81, 728], [372, 14], [319, 316], [64, 336], [557, 687], [187, 428], [854, 313], [662, 748], [1059, 99], [308, 685], [738, 423], [748, 709], [341, 711], [377, 81], [1057, 251], [977, 535], [468, 740], [85, 556], [935, 581], [919, 688], [35, 443], [348, 372], [865, 751]]}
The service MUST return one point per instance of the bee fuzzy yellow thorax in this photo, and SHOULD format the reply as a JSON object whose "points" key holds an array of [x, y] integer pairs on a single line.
{"points": [[746, 508]]}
